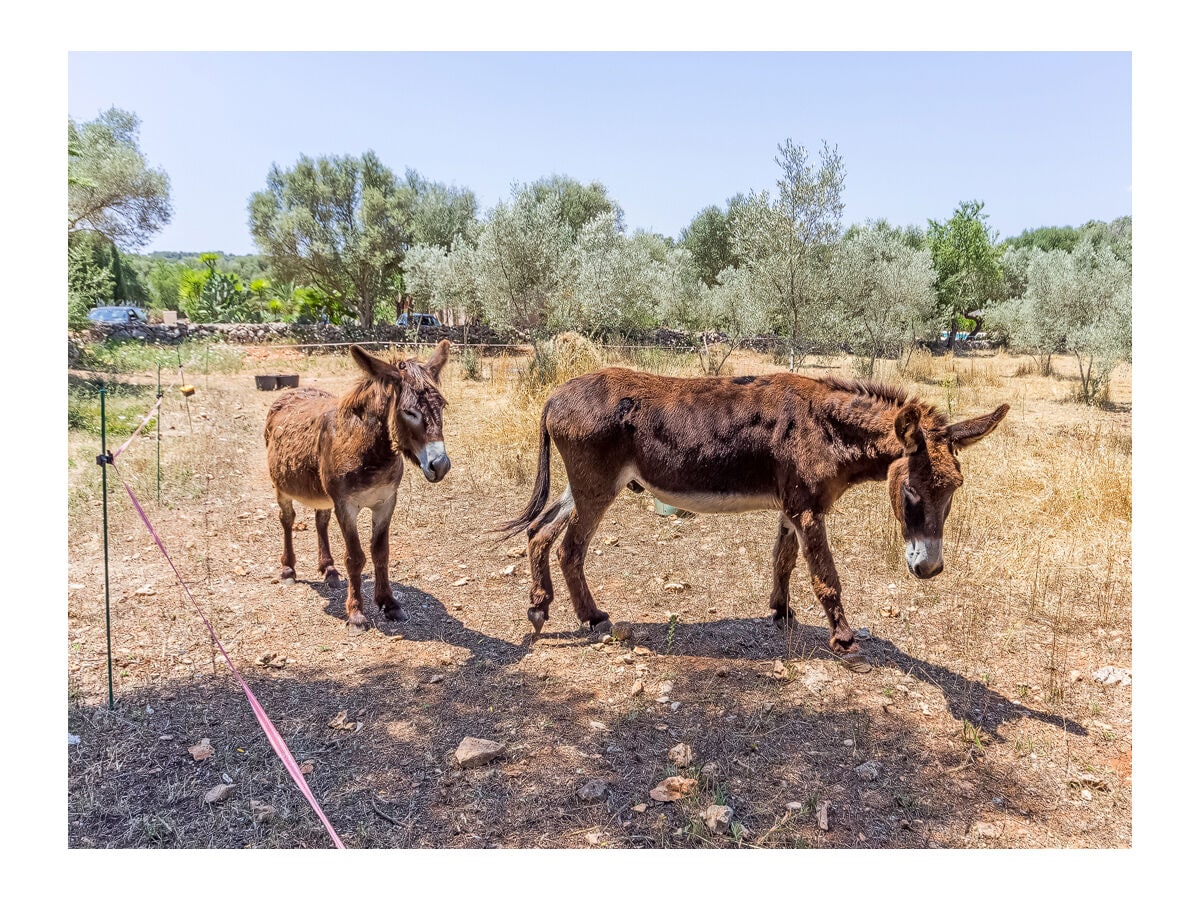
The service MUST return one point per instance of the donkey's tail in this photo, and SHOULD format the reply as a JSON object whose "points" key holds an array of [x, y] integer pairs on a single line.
{"points": [[541, 489]]}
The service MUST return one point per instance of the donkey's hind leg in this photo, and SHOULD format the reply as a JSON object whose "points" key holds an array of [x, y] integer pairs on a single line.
{"points": [[572, 554], [347, 518], [287, 517], [542, 535], [324, 555], [783, 558]]}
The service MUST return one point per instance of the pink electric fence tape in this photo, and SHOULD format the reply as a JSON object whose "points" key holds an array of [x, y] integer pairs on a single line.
{"points": [[273, 736]]}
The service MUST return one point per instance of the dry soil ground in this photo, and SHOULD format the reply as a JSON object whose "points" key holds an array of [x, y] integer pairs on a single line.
{"points": [[981, 724]]}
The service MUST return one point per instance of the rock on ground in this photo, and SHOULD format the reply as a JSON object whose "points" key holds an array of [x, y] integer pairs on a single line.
{"points": [[473, 752], [718, 818]]}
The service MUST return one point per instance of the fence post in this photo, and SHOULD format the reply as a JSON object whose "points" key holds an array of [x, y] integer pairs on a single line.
{"points": [[103, 460]]}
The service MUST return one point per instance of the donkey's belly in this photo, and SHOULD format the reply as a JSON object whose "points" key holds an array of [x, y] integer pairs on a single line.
{"points": [[701, 501]]}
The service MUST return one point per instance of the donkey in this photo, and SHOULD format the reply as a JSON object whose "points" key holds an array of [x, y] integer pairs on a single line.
{"points": [[713, 445], [344, 454]]}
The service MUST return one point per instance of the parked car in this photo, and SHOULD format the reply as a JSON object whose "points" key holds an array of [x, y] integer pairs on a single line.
{"points": [[118, 315], [418, 320]]}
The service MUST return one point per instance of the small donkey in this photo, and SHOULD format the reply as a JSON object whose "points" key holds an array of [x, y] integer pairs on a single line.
{"points": [[348, 453]]}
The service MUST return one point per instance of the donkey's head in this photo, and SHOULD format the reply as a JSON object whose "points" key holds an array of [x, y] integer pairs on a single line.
{"points": [[411, 405], [922, 482]]}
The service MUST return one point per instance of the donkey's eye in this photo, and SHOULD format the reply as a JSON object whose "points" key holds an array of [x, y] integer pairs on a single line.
{"points": [[413, 416]]}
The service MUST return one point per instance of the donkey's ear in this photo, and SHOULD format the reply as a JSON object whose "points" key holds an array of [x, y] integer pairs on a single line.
{"points": [[908, 429], [372, 365], [968, 431], [440, 354]]}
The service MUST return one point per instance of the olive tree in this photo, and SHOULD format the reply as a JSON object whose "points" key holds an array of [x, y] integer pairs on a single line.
{"points": [[881, 290], [784, 242], [1078, 303], [339, 223], [967, 261], [111, 190], [523, 260]]}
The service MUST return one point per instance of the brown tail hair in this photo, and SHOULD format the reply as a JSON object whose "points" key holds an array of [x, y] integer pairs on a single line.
{"points": [[541, 490]]}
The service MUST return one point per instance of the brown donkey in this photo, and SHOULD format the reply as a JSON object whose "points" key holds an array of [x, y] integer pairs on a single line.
{"points": [[344, 454], [712, 445]]}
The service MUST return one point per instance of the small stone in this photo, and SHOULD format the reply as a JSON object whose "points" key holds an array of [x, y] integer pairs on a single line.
{"points": [[718, 818], [72, 738], [592, 790], [1086, 795], [1113, 675], [868, 771], [987, 829], [675, 706], [627, 659], [863, 634], [638, 688], [823, 815], [622, 631], [434, 679], [639, 808], [474, 752], [795, 805], [461, 581], [680, 756], [218, 794], [1075, 676], [262, 812], [509, 570], [642, 651], [711, 771], [597, 726], [666, 687]]}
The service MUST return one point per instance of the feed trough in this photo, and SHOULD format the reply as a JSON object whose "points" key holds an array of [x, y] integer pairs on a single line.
{"points": [[276, 382]]}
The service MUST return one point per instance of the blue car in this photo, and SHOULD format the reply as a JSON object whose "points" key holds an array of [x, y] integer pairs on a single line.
{"points": [[118, 315]]}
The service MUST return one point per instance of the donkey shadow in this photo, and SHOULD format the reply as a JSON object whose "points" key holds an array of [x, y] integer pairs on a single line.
{"points": [[758, 639], [428, 620]]}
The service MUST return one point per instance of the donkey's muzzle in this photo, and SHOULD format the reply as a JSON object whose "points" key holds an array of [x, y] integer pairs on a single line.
{"points": [[924, 558], [433, 461]]}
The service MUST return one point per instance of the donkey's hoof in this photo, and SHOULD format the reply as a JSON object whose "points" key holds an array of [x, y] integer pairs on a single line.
{"points": [[393, 612], [856, 661], [601, 626], [538, 617], [332, 578], [287, 576], [358, 624], [785, 620]]}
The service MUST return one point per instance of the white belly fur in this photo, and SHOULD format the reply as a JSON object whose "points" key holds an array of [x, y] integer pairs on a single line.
{"points": [[701, 502]]}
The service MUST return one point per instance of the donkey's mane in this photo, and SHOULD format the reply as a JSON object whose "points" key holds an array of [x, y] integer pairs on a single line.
{"points": [[369, 392], [888, 393]]}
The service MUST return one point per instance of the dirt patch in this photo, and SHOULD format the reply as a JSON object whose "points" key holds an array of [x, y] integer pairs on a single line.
{"points": [[980, 725]]}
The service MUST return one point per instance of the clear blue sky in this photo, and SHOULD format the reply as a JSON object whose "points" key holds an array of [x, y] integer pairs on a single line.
{"points": [[1042, 138]]}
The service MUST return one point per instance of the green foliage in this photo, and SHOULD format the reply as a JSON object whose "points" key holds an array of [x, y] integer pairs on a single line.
{"points": [[439, 213], [967, 262], [882, 293], [124, 406], [785, 242], [472, 368], [208, 295], [577, 204], [1078, 303], [709, 239], [339, 223], [88, 285], [110, 188]]}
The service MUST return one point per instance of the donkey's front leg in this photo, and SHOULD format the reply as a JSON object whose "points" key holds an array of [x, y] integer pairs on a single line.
{"points": [[347, 517], [828, 588], [381, 521]]}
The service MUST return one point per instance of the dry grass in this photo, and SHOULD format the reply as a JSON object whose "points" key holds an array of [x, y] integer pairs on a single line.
{"points": [[973, 699]]}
